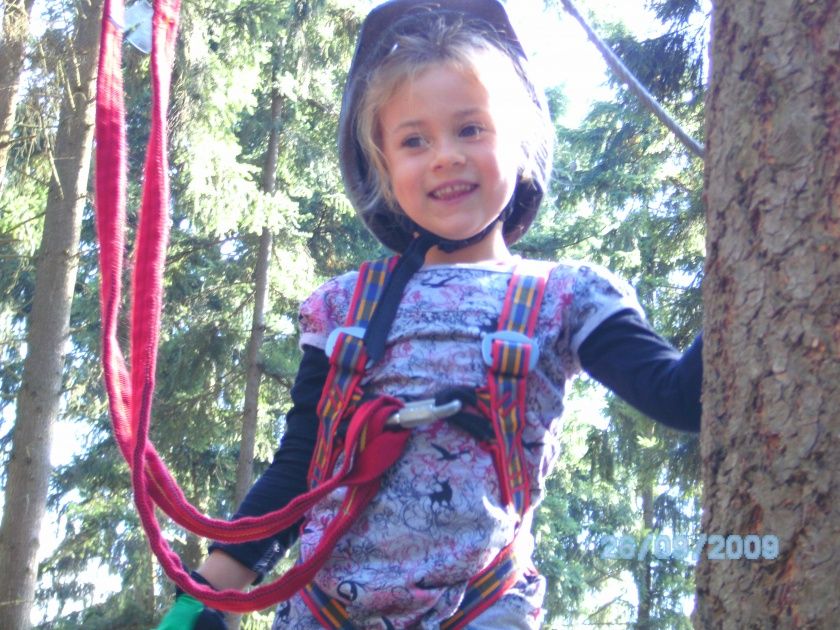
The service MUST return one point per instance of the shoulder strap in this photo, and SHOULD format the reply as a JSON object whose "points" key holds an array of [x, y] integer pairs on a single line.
{"points": [[348, 361], [510, 354]]}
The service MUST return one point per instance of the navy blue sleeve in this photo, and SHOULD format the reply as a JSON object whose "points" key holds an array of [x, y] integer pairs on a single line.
{"points": [[628, 357], [285, 478]]}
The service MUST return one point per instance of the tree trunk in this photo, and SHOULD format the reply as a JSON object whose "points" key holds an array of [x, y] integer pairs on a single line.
{"points": [[40, 393], [644, 575], [771, 426], [12, 49], [253, 378], [146, 596], [244, 467]]}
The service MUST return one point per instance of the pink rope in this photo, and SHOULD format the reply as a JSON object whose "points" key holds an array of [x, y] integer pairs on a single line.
{"points": [[369, 450]]}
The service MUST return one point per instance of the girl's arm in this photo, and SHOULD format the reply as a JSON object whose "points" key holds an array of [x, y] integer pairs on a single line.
{"points": [[282, 481], [223, 571], [627, 356]]}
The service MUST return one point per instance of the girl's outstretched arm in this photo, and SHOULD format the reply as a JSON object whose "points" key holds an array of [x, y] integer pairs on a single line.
{"points": [[285, 478], [627, 356]]}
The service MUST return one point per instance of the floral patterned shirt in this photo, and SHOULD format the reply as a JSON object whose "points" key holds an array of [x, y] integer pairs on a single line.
{"points": [[438, 519]]}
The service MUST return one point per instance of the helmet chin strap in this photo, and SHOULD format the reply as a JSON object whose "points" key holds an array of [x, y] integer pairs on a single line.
{"points": [[380, 322], [410, 261], [449, 245]]}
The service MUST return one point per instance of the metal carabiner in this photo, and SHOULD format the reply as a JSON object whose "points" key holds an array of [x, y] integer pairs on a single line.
{"points": [[419, 412]]}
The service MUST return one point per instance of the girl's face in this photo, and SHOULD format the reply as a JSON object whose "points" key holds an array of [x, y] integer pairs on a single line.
{"points": [[448, 153]]}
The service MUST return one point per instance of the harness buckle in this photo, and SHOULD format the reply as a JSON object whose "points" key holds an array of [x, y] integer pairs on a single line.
{"points": [[509, 336], [419, 412]]}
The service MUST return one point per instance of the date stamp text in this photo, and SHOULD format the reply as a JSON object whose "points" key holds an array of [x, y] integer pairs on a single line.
{"points": [[682, 547]]}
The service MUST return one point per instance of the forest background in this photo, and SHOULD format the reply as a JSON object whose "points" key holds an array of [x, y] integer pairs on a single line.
{"points": [[256, 188]]}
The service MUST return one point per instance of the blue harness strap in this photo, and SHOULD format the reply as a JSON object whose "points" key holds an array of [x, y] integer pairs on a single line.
{"points": [[510, 353]]}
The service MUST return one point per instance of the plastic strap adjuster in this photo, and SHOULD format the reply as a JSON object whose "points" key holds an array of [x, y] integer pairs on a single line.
{"points": [[332, 341], [509, 336], [353, 331]]}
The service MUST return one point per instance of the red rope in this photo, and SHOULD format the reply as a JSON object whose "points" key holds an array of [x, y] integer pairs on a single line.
{"points": [[369, 450]]}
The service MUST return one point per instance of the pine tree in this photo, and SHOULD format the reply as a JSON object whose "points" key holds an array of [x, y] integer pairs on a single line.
{"points": [[772, 290], [39, 396], [12, 53], [629, 196], [220, 124]]}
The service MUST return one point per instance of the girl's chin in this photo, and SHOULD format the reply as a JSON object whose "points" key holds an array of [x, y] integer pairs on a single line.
{"points": [[455, 234]]}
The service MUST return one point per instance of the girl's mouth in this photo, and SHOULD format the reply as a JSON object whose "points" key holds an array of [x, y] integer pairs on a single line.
{"points": [[452, 191]]}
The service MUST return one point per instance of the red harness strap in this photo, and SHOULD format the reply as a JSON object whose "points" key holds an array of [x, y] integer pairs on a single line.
{"points": [[509, 353], [369, 450], [348, 361]]}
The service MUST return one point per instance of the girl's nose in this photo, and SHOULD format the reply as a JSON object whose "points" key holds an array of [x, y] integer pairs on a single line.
{"points": [[448, 154]]}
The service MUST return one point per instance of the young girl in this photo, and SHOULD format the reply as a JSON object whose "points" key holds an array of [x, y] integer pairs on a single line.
{"points": [[445, 147]]}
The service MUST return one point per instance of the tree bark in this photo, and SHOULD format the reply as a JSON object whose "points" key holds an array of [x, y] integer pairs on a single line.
{"points": [[771, 439], [244, 472], [644, 575], [12, 49], [48, 330], [244, 467]]}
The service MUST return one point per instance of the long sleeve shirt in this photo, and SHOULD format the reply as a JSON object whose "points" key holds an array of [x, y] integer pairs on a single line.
{"points": [[622, 352]]}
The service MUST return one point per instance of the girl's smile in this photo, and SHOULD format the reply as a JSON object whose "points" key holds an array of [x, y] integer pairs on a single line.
{"points": [[452, 191], [451, 165]]}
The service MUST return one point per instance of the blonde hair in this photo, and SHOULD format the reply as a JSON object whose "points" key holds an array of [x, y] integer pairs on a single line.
{"points": [[468, 47]]}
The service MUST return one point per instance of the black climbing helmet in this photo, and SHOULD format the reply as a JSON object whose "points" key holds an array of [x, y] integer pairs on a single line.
{"points": [[379, 32]]}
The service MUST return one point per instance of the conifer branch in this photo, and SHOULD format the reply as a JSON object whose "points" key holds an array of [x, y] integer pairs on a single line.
{"points": [[622, 72]]}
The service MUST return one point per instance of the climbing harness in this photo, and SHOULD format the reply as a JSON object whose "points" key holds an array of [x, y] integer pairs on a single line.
{"points": [[368, 446], [509, 353], [482, 592]]}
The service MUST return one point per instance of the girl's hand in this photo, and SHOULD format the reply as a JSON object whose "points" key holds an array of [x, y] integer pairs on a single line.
{"points": [[219, 571], [187, 613]]}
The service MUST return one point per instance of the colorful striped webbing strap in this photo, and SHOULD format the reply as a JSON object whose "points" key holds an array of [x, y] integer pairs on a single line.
{"points": [[329, 612], [348, 361], [511, 354], [485, 589]]}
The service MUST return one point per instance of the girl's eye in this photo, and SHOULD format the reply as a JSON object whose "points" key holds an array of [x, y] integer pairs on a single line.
{"points": [[412, 142], [471, 131]]}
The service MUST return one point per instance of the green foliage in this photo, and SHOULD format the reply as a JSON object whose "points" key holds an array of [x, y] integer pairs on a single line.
{"points": [[676, 12], [219, 121], [623, 194], [579, 509], [106, 616], [22, 202]]}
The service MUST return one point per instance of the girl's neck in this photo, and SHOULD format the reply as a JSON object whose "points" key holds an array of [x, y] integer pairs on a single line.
{"points": [[492, 248]]}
